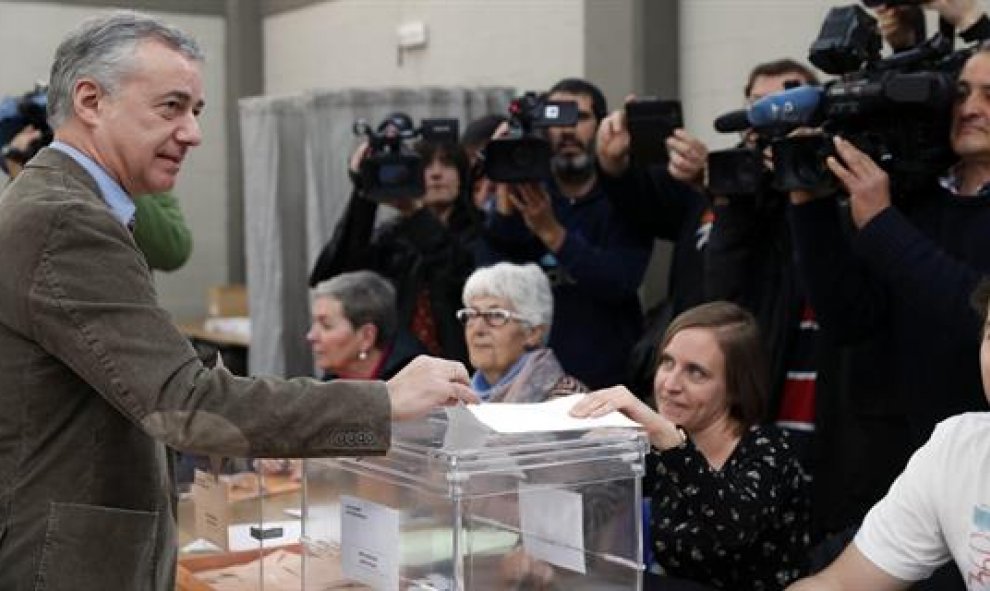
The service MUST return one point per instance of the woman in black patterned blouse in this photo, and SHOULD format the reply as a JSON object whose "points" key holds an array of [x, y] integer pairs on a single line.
{"points": [[729, 503]]}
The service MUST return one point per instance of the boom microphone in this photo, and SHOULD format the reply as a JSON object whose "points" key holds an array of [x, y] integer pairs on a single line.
{"points": [[794, 106]]}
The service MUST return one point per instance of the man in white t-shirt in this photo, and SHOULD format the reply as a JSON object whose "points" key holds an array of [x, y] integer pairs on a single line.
{"points": [[937, 510]]}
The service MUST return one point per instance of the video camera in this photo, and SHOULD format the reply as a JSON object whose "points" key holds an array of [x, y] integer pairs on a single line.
{"points": [[16, 113], [524, 155], [897, 109], [392, 169]]}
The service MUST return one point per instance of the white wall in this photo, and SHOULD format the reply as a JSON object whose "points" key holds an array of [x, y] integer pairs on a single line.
{"points": [[528, 44], [29, 34], [611, 43]]}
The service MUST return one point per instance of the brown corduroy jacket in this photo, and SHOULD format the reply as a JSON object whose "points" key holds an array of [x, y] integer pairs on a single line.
{"points": [[95, 381]]}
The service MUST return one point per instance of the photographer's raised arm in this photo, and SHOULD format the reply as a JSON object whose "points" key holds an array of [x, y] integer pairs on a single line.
{"points": [[18, 145], [688, 158], [612, 144], [652, 200], [349, 248]]}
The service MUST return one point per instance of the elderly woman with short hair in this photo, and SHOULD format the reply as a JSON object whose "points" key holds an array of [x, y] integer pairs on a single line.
{"points": [[507, 319]]}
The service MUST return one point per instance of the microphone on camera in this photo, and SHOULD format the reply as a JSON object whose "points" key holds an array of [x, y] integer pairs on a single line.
{"points": [[737, 120], [794, 106]]}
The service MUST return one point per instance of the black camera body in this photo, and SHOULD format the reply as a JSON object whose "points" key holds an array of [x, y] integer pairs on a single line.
{"points": [[736, 171], [650, 122], [897, 110], [392, 169], [524, 155]]}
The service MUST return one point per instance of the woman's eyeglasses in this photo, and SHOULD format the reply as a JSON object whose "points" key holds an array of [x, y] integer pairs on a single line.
{"points": [[494, 317]]}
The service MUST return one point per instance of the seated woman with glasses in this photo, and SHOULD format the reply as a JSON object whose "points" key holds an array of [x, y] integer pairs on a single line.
{"points": [[509, 309], [507, 318], [730, 505]]}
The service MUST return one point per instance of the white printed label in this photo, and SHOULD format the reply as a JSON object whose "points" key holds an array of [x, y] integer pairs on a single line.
{"points": [[369, 543], [553, 526]]}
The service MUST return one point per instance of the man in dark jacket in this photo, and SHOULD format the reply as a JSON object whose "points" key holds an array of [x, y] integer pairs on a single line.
{"points": [[595, 260]]}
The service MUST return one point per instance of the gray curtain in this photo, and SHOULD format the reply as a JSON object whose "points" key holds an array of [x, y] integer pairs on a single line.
{"points": [[296, 187]]}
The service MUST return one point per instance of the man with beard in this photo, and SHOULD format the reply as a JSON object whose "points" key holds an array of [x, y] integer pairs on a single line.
{"points": [[594, 260]]}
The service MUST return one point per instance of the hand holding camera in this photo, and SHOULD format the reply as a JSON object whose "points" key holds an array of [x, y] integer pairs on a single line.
{"points": [[645, 132], [612, 144], [359, 154], [866, 183], [24, 128], [688, 158], [533, 203]]}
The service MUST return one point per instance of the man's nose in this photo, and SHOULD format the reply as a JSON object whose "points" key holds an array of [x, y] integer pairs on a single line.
{"points": [[189, 133], [971, 104]]}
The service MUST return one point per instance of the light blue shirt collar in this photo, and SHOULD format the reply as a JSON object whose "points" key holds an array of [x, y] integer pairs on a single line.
{"points": [[120, 204]]}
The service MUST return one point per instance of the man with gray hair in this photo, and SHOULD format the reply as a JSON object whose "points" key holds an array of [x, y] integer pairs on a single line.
{"points": [[96, 379]]}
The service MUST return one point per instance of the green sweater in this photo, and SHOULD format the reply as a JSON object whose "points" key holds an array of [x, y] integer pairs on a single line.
{"points": [[161, 232]]}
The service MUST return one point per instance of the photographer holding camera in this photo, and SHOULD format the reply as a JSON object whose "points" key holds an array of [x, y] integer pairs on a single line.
{"points": [[749, 261], [893, 270], [594, 259], [428, 250], [826, 394]]}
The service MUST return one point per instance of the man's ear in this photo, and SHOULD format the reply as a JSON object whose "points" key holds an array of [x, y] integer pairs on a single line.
{"points": [[86, 97]]}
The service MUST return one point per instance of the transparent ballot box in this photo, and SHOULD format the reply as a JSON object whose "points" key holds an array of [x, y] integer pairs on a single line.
{"points": [[455, 509], [240, 532]]}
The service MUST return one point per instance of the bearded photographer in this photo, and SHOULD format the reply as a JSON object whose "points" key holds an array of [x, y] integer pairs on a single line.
{"points": [[594, 259], [427, 251]]}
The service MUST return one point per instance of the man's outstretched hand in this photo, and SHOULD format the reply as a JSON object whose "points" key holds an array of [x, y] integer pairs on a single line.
{"points": [[427, 383]]}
